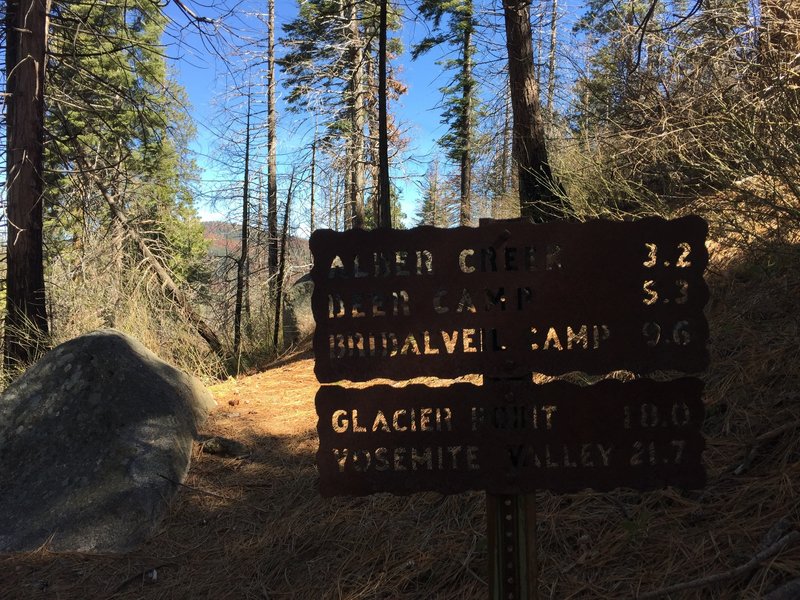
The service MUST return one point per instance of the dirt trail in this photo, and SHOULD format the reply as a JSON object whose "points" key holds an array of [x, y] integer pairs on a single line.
{"points": [[255, 526], [275, 402]]}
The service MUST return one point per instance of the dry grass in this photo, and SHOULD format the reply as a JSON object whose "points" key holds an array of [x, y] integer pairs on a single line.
{"points": [[256, 527]]}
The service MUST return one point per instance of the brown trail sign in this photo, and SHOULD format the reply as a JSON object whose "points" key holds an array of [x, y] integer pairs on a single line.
{"points": [[511, 439], [504, 300], [510, 297]]}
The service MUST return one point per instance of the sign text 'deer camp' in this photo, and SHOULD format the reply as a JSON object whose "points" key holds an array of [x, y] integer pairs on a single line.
{"points": [[509, 298]]}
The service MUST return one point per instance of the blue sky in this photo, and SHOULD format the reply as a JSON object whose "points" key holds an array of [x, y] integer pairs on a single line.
{"points": [[202, 74]]}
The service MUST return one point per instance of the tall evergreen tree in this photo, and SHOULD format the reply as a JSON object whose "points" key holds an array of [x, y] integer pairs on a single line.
{"points": [[539, 196], [461, 98], [26, 42], [117, 119], [440, 207], [331, 52]]}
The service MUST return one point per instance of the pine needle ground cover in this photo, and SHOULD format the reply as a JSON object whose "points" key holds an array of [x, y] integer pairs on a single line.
{"points": [[255, 526]]}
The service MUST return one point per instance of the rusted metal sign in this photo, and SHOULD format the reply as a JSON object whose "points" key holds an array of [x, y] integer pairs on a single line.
{"points": [[510, 437], [510, 297]]}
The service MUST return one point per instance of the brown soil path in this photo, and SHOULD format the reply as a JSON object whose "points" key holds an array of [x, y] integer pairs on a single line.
{"points": [[255, 527]]}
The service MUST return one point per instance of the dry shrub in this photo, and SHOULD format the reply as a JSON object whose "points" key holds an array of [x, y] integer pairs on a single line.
{"points": [[98, 289]]}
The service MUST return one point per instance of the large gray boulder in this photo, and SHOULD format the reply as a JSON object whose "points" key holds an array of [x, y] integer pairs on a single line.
{"points": [[94, 440]]}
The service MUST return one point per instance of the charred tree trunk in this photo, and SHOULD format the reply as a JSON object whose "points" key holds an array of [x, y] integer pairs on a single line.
{"points": [[373, 137], [384, 217], [282, 268], [312, 224], [241, 264], [538, 198], [26, 312]]}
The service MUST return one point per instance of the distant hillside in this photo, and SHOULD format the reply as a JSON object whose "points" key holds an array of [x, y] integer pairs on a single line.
{"points": [[224, 239]]}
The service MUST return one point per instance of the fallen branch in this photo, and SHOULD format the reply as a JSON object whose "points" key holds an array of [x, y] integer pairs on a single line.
{"points": [[761, 556], [164, 277], [759, 441]]}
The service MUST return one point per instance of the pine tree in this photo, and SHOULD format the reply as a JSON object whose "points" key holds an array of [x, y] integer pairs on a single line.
{"points": [[439, 207], [26, 316], [117, 118], [460, 103], [539, 193], [117, 158], [330, 67]]}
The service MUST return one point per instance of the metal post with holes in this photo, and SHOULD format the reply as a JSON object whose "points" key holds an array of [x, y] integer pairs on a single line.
{"points": [[511, 519], [511, 533]]}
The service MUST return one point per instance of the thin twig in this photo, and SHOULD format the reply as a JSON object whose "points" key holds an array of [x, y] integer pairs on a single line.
{"points": [[213, 494], [735, 572], [139, 575]]}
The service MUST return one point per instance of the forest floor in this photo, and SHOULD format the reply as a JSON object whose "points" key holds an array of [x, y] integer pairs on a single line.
{"points": [[256, 527]]}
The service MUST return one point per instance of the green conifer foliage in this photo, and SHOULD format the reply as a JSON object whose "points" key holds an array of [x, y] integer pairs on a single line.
{"points": [[460, 95], [117, 120]]}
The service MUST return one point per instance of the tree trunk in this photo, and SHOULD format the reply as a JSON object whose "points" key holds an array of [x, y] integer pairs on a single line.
{"points": [[384, 217], [282, 268], [26, 312], [272, 167], [537, 187], [551, 63], [509, 177], [241, 282], [466, 121], [312, 224], [356, 142]]}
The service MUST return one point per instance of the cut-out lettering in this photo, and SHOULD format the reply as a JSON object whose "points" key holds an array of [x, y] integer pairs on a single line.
{"points": [[553, 257], [579, 339], [680, 414], [683, 261], [410, 345], [651, 296], [462, 260], [510, 259], [400, 303], [678, 445], [652, 333], [438, 307], [424, 262], [552, 341], [495, 298], [337, 268], [400, 264], [681, 334], [335, 306], [468, 340], [652, 259], [357, 310], [683, 288], [465, 303], [357, 272], [488, 260]]}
